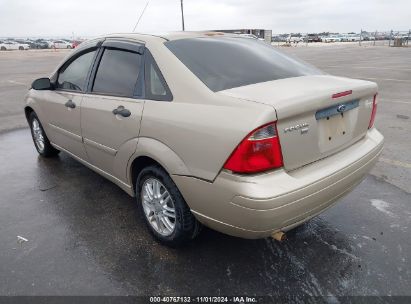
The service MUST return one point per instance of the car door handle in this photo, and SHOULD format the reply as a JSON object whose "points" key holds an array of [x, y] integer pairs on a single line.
{"points": [[122, 111], [70, 104]]}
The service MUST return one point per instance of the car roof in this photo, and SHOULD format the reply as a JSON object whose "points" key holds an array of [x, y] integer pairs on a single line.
{"points": [[153, 39], [167, 36]]}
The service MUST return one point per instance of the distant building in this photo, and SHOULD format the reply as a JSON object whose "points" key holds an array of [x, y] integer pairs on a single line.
{"points": [[259, 33]]}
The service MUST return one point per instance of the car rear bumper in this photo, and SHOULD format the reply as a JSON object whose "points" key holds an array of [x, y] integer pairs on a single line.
{"points": [[256, 206]]}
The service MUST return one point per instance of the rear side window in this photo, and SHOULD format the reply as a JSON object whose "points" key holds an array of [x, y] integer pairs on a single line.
{"points": [[155, 85], [73, 75], [229, 62], [117, 73]]}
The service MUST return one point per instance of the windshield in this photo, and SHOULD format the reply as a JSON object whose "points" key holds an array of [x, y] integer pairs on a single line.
{"points": [[225, 63]]}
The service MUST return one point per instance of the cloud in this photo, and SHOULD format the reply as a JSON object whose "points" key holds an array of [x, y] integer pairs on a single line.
{"points": [[90, 18]]}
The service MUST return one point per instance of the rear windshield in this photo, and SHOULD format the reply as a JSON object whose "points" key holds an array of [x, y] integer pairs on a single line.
{"points": [[225, 63]]}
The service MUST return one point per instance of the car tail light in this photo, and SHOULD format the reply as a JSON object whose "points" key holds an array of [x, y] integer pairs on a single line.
{"points": [[342, 94], [373, 112], [259, 151]]}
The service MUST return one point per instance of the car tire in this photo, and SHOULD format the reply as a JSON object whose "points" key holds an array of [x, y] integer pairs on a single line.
{"points": [[3, 48], [156, 213], [69, 47], [40, 140], [21, 48]]}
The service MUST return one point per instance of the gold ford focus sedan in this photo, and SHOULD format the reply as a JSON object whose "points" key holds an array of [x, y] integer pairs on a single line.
{"points": [[208, 128]]}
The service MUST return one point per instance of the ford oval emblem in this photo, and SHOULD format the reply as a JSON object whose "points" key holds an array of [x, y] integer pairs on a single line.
{"points": [[341, 108]]}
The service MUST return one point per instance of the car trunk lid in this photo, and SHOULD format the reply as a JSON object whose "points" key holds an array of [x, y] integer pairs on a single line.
{"points": [[313, 122]]}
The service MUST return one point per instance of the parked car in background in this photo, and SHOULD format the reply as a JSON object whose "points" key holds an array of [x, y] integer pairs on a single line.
{"points": [[403, 37], [60, 44], [275, 38], [313, 38], [331, 38], [12, 45], [368, 38], [279, 38], [353, 37], [39, 44], [137, 108], [343, 38], [294, 39], [382, 36], [22, 41]]}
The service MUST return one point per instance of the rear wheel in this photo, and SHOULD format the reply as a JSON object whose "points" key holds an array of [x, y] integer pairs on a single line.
{"points": [[21, 48], [41, 142], [165, 212], [3, 48]]}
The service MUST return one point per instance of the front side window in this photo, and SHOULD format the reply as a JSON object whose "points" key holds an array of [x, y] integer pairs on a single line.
{"points": [[117, 73], [73, 76], [229, 62]]}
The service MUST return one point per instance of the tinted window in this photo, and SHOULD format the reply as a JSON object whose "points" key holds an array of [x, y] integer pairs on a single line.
{"points": [[117, 73], [73, 76], [224, 63]]}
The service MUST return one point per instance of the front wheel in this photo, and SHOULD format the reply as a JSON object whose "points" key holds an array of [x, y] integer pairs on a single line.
{"points": [[41, 142], [165, 212]]}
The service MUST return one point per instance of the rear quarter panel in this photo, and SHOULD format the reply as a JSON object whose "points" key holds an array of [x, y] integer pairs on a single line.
{"points": [[203, 135], [201, 127]]}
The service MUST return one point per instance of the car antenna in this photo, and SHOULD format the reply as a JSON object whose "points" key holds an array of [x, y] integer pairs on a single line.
{"points": [[182, 15], [141, 15]]}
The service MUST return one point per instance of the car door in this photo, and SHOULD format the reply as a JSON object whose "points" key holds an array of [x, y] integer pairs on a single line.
{"points": [[13, 46], [62, 106], [112, 108]]}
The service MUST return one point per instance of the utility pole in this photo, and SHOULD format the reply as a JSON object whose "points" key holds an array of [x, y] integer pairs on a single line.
{"points": [[182, 15]]}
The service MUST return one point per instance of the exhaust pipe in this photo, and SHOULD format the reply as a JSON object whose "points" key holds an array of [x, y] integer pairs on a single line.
{"points": [[279, 236]]}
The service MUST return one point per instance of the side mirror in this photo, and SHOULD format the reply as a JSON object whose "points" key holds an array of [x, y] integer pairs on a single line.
{"points": [[42, 84]]}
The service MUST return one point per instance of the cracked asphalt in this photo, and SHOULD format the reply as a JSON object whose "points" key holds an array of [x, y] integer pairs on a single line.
{"points": [[85, 236]]}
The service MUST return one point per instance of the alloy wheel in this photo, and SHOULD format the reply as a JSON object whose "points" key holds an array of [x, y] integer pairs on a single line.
{"points": [[38, 135], [158, 206]]}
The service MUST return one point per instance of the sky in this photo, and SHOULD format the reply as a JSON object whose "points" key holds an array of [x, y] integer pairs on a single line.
{"points": [[87, 18]]}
